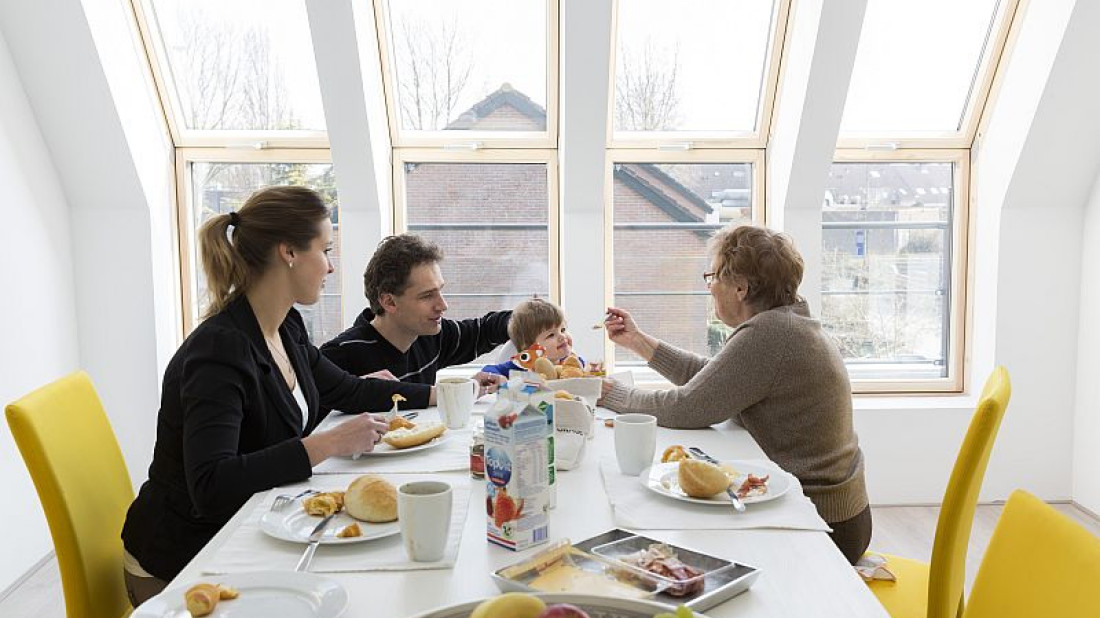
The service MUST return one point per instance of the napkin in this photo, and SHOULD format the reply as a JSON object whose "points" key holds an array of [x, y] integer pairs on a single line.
{"points": [[249, 548], [874, 566], [634, 506]]}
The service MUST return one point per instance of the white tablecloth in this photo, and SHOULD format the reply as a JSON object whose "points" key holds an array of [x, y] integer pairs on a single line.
{"points": [[803, 572]]}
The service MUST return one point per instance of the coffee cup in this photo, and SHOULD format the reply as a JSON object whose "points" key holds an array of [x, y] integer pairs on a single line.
{"points": [[455, 398], [424, 514], [635, 442]]}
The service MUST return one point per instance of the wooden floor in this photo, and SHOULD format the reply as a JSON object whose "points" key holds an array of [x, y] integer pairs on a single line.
{"points": [[903, 530]]}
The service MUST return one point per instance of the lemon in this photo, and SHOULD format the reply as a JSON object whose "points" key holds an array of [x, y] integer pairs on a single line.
{"points": [[510, 605]]}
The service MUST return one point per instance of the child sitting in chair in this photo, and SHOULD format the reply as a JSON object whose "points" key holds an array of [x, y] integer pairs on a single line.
{"points": [[538, 321]]}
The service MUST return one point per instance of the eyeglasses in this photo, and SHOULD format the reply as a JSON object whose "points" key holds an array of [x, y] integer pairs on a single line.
{"points": [[710, 278]]}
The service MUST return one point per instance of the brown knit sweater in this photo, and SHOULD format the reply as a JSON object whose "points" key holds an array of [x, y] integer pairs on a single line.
{"points": [[783, 379]]}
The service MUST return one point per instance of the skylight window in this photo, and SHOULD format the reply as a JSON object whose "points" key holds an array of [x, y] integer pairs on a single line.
{"points": [[701, 67], [245, 65], [920, 66]]}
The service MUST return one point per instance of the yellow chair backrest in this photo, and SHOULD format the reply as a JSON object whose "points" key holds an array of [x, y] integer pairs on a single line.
{"points": [[82, 481], [947, 572], [1039, 563]]}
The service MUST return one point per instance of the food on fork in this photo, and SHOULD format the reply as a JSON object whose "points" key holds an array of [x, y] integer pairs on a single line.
{"points": [[371, 498], [414, 436], [397, 397], [349, 531], [701, 479], [674, 453], [201, 599], [324, 504]]}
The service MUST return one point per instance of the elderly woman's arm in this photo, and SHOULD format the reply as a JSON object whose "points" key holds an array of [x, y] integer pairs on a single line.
{"points": [[739, 376]]}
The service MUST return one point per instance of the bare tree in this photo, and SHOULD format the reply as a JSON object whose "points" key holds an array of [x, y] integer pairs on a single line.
{"points": [[645, 90], [434, 69], [231, 81]]}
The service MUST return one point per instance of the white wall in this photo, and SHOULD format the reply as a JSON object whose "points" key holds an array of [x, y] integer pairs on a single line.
{"points": [[116, 232], [1086, 425], [38, 315]]}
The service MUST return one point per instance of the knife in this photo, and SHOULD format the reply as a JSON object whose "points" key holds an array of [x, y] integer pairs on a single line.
{"points": [[314, 540], [699, 454]]}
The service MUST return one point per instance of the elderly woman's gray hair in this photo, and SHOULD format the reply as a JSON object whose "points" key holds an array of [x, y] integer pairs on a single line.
{"points": [[765, 260]]}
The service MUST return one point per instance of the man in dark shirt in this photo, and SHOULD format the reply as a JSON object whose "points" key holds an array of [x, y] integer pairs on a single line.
{"points": [[403, 334]]}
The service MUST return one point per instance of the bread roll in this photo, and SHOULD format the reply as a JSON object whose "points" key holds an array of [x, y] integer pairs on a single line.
{"points": [[371, 498], [201, 599], [414, 436], [701, 479]]}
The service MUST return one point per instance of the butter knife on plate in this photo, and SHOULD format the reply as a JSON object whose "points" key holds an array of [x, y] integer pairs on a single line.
{"points": [[698, 453], [314, 540]]}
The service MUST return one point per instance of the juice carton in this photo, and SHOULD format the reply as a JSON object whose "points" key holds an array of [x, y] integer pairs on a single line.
{"points": [[517, 470]]}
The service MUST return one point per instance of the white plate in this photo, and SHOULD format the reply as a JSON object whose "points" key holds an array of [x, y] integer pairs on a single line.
{"points": [[294, 524], [276, 593], [382, 449], [662, 478], [605, 607]]}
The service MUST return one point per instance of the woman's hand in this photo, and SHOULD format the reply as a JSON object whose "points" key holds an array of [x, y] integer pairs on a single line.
{"points": [[622, 330], [358, 434]]}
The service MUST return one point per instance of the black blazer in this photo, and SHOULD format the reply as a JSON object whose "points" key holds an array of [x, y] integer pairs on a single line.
{"points": [[229, 427]]}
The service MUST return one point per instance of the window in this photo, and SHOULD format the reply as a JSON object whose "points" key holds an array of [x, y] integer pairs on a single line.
{"points": [[690, 114], [492, 220], [705, 70], [895, 208], [242, 68], [664, 214], [219, 186], [471, 95], [889, 269], [238, 83], [475, 71], [923, 69]]}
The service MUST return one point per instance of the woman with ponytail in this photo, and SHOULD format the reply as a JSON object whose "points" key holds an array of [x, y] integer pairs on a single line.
{"points": [[244, 393]]}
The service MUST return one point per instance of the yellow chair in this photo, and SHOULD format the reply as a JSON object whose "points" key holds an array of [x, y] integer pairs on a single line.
{"points": [[1039, 563], [936, 590], [81, 478]]}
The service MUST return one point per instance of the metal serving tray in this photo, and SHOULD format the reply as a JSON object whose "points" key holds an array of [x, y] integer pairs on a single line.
{"points": [[725, 579]]}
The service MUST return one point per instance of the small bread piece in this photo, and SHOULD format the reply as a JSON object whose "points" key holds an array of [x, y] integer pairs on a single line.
{"points": [[349, 531], [225, 593], [371, 498], [701, 479], [201, 599], [674, 453], [400, 422], [323, 505], [407, 438]]}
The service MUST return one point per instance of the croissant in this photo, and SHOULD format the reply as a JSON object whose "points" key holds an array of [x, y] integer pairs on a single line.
{"points": [[201, 599]]}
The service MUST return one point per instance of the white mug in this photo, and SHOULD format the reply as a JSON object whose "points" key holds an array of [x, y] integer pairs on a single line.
{"points": [[455, 398], [424, 513], [635, 442]]}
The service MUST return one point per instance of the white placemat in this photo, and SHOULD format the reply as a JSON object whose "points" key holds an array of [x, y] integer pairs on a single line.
{"points": [[453, 454], [635, 506], [250, 549]]}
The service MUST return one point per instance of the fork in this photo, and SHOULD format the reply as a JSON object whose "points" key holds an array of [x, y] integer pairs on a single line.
{"points": [[698, 453], [284, 500]]}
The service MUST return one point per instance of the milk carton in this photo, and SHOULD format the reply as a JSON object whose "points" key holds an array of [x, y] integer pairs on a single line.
{"points": [[518, 468]]}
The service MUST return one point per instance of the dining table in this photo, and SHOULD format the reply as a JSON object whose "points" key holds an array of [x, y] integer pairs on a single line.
{"points": [[802, 571]]}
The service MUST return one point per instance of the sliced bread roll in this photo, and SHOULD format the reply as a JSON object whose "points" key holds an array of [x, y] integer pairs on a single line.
{"points": [[701, 479], [414, 436], [371, 498]]}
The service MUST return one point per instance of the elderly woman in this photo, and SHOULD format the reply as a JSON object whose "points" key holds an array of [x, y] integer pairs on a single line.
{"points": [[778, 375]]}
